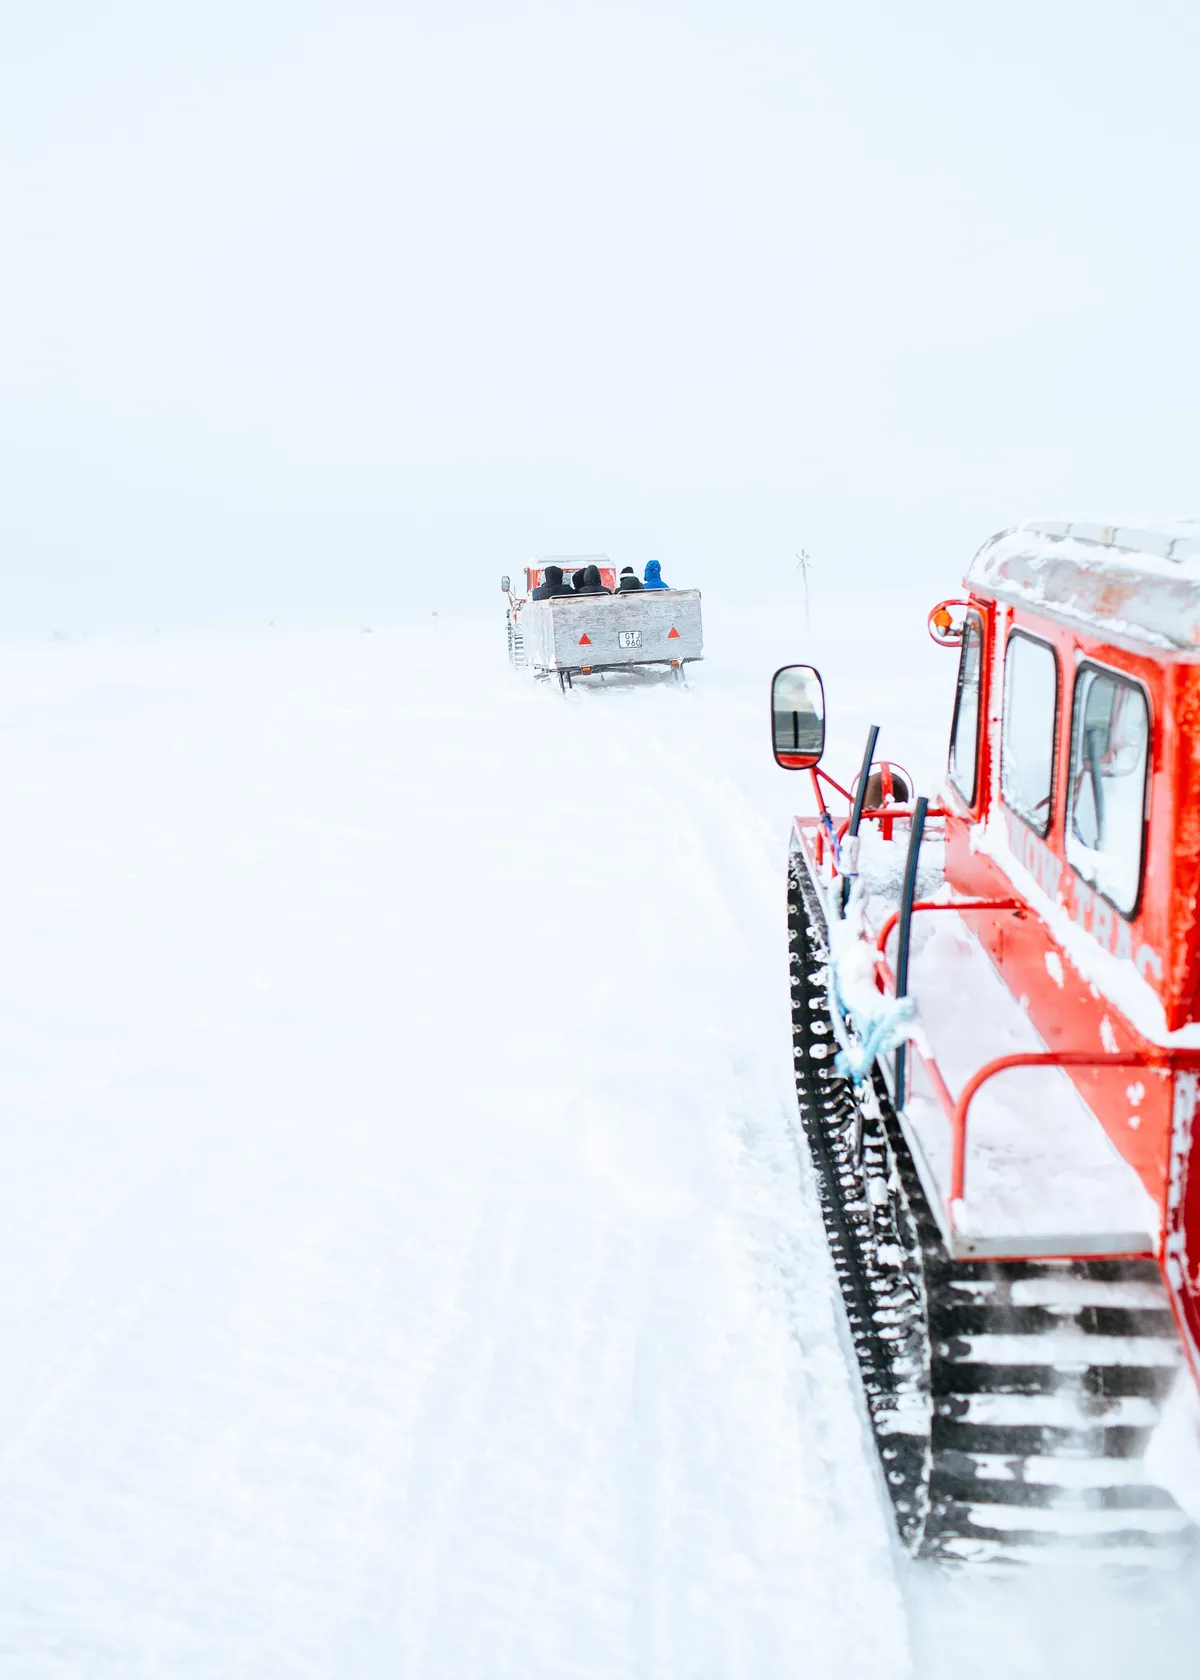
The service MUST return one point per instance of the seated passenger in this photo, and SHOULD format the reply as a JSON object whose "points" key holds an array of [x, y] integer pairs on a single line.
{"points": [[591, 583], [654, 576], [577, 580], [553, 585], [628, 580]]}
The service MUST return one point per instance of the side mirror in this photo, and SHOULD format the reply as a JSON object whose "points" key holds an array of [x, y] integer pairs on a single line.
{"points": [[946, 621], [798, 717], [505, 584]]}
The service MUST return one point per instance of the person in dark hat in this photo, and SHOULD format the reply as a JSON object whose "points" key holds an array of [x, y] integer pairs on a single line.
{"points": [[553, 585], [628, 580], [591, 583]]}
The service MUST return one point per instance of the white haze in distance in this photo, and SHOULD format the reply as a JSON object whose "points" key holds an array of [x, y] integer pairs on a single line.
{"points": [[333, 310]]}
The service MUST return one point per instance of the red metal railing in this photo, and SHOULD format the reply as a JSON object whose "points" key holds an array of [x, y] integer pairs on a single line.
{"points": [[1167, 1060], [888, 927], [957, 1108]]}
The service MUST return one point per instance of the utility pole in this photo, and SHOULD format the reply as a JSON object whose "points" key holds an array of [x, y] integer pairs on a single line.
{"points": [[803, 562]]}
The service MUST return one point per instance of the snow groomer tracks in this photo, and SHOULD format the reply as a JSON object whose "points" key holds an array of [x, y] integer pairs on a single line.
{"points": [[1011, 1403]]}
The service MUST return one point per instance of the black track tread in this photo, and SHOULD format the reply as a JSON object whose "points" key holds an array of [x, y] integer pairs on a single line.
{"points": [[959, 1522], [1111, 1441], [932, 1305], [1139, 1496], [1101, 1382], [828, 1113], [1100, 1322]]}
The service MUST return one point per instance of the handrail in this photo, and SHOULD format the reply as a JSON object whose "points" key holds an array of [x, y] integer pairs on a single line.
{"points": [[876, 813], [885, 931], [1166, 1059]]}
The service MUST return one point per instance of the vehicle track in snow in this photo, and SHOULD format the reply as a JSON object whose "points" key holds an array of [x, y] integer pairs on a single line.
{"points": [[430, 1096]]}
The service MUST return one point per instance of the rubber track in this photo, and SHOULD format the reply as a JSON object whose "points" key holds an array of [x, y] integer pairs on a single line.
{"points": [[984, 1459]]}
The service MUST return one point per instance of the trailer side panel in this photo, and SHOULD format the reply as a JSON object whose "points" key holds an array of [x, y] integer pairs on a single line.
{"points": [[643, 627]]}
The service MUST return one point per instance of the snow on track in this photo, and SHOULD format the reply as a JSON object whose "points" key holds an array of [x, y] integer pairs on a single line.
{"points": [[405, 1266]]}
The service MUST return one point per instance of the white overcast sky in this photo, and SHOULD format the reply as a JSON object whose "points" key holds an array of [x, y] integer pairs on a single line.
{"points": [[322, 308]]}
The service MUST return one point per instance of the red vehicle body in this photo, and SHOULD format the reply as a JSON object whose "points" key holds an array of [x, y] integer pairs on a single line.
{"points": [[1071, 820], [1139, 1025], [535, 576]]}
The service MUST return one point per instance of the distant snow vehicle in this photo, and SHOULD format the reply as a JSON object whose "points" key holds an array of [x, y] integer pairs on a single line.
{"points": [[998, 1069], [584, 635]]}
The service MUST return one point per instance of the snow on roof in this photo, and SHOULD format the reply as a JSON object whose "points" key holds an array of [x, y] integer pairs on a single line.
{"points": [[574, 560], [1138, 582]]}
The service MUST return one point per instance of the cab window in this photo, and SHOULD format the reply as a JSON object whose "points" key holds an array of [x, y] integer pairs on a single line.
{"points": [[1110, 754], [1030, 726], [964, 732]]}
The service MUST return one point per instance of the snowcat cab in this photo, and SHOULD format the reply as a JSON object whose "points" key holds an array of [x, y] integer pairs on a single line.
{"points": [[997, 1045], [584, 635]]}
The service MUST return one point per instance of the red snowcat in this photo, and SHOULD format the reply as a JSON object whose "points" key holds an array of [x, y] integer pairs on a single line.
{"points": [[996, 1008]]}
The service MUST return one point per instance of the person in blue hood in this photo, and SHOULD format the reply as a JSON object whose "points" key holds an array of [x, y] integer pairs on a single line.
{"points": [[654, 576]]}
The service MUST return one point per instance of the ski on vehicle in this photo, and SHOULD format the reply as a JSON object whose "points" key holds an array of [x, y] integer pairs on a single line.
{"points": [[997, 1053]]}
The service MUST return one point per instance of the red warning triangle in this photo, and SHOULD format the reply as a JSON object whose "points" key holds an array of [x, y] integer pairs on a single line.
{"points": [[672, 632], [585, 641]]}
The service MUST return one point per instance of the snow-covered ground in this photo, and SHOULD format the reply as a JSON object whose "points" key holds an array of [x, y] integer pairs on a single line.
{"points": [[407, 1268]]}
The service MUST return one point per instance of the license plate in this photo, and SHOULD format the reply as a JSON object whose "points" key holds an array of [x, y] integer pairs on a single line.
{"points": [[629, 638]]}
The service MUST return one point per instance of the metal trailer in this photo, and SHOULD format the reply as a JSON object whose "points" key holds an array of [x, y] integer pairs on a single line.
{"points": [[584, 635]]}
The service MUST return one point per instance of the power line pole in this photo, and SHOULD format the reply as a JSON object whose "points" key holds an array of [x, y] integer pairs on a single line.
{"points": [[803, 562]]}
